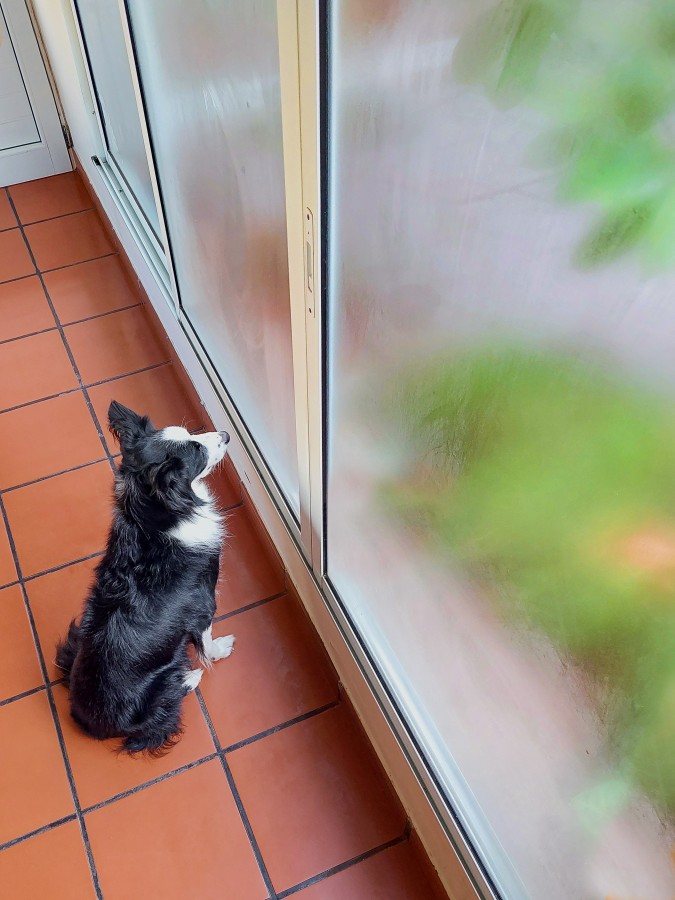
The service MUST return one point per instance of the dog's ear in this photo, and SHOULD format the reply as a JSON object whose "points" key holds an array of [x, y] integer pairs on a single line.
{"points": [[126, 425]]}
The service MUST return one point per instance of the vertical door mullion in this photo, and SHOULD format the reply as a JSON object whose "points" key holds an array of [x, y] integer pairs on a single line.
{"points": [[147, 144], [298, 124], [99, 131], [313, 312]]}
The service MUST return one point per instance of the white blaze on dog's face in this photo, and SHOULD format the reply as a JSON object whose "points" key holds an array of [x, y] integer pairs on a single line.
{"points": [[215, 443]]}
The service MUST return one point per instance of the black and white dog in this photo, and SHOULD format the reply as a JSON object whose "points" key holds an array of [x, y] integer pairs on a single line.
{"points": [[127, 663]]}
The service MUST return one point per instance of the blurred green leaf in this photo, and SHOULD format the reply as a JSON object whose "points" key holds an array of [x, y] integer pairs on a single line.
{"points": [[504, 48], [617, 232], [555, 485], [605, 77], [616, 171]]}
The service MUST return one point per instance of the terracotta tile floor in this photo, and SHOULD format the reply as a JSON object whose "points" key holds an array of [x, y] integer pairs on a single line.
{"points": [[273, 790]]}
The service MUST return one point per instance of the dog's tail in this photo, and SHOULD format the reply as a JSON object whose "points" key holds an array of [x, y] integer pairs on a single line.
{"points": [[66, 651]]}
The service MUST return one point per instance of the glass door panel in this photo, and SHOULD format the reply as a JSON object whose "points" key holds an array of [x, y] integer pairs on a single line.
{"points": [[500, 504], [210, 77], [105, 46]]}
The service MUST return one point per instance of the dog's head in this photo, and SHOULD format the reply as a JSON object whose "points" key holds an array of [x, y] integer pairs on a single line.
{"points": [[163, 467]]}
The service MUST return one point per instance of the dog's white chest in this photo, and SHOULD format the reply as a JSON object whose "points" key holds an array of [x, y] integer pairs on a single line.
{"points": [[204, 528]]}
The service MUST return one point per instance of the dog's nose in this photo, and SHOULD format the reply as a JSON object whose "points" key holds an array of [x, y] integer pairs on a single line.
{"points": [[224, 436]]}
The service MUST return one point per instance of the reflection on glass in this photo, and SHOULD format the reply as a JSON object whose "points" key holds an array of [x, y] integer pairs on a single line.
{"points": [[501, 510], [210, 74], [104, 39]]}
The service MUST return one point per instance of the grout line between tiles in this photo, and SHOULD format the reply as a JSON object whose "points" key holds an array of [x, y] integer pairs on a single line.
{"points": [[42, 830], [334, 870], [35, 690], [66, 345], [108, 312], [16, 487], [128, 374], [272, 895], [10, 409], [20, 337], [56, 268], [254, 605], [147, 784], [72, 562], [90, 385], [282, 727], [80, 262], [52, 706], [74, 212]]}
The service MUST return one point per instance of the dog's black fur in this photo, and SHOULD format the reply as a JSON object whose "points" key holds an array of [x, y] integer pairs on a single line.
{"points": [[152, 596]]}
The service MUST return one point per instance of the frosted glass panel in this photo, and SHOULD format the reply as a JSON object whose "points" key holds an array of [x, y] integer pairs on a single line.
{"points": [[501, 488], [210, 74], [109, 64]]}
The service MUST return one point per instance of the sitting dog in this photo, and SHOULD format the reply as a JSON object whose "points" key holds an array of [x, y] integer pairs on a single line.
{"points": [[127, 664]]}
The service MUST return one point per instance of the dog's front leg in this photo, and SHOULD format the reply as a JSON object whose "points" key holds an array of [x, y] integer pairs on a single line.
{"points": [[216, 648], [192, 679]]}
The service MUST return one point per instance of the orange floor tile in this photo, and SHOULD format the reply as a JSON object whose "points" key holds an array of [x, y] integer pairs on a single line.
{"points": [[90, 289], [23, 309], [273, 790]]}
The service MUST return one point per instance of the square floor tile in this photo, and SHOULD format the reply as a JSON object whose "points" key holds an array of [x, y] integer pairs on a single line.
{"points": [[68, 240], [62, 519], [53, 864], [49, 197], [19, 666], [7, 567], [249, 570], [67, 437], [33, 368], [315, 796], [114, 345], [56, 599], [276, 672], [395, 874], [7, 217], [33, 783], [157, 393], [90, 289], [180, 838], [100, 772], [23, 308], [15, 261]]}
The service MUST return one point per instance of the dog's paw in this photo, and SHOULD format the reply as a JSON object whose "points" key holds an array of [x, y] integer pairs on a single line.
{"points": [[192, 679], [222, 647]]}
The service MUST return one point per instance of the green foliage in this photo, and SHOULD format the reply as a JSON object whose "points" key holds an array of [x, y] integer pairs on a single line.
{"points": [[604, 76], [554, 483]]}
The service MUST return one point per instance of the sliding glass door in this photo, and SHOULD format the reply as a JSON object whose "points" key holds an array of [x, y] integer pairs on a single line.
{"points": [[501, 371], [424, 251], [210, 78]]}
